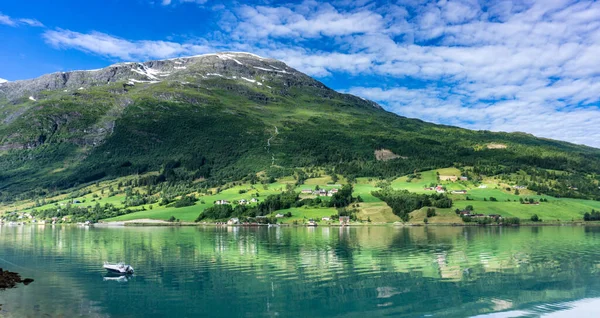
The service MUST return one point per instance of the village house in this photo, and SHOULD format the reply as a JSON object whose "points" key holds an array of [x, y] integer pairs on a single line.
{"points": [[307, 191], [448, 178], [221, 202], [325, 218], [483, 186], [463, 178], [321, 192], [279, 215], [334, 190], [459, 192], [243, 202], [254, 200], [440, 189]]}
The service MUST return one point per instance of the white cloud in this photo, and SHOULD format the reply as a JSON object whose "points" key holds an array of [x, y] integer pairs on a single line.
{"points": [[3, 80], [110, 46], [169, 2], [6, 20], [307, 20], [31, 22]]}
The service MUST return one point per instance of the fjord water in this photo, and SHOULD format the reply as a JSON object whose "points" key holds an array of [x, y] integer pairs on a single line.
{"points": [[300, 272]]}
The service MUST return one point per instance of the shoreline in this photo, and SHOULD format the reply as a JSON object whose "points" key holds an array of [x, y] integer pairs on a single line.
{"points": [[154, 223], [162, 223]]}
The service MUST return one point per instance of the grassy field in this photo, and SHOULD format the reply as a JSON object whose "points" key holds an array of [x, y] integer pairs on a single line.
{"points": [[303, 214]]}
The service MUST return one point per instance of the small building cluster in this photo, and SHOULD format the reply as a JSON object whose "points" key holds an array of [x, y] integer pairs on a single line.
{"points": [[320, 192], [438, 189], [479, 215], [240, 202]]}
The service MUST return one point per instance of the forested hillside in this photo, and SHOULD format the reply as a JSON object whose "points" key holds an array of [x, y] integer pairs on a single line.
{"points": [[208, 120]]}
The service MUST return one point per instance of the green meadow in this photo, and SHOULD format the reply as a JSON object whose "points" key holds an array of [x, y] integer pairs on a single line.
{"points": [[488, 197]]}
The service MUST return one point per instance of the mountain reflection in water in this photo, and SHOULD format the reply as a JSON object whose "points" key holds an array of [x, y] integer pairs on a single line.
{"points": [[287, 271]]}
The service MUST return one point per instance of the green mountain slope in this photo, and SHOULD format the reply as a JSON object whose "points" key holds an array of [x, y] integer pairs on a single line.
{"points": [[224, 117]]}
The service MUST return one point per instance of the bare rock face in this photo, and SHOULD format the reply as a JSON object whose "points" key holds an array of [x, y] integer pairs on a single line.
{"points": [[238, 66], [244, 67]]}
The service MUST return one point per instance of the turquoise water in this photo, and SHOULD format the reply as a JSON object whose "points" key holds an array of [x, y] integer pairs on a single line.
{"points": [[303, 272]]}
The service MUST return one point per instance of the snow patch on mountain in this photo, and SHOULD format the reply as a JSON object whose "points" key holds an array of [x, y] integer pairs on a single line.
{"points": [[2, 81]]}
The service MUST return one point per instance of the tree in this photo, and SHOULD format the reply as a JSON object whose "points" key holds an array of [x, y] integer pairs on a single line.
{"points": [[430, 212], [469, 208], [535, 218], [425, 220]]}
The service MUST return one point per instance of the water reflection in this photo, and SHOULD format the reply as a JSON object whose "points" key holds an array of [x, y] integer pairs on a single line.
{"points": [[233, 271]]}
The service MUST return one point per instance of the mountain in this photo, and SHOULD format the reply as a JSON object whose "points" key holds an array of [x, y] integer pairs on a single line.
{"points": [[223, 117]]}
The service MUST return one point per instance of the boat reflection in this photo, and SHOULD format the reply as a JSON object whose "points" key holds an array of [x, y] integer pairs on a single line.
{"points": [[117, 278]]}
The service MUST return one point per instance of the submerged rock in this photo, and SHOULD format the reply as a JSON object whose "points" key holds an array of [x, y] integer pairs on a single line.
{"points": [[11, 279]]}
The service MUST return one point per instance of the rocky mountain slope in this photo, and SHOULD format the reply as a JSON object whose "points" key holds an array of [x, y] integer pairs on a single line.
{"points": [[226, 116]]}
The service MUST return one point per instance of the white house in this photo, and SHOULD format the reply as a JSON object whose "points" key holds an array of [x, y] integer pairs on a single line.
{"points": [[254, 200], [279, 215], [243, 202], [220, 202]]}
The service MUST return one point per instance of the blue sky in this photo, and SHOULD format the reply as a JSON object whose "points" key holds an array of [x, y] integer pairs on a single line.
{"points": [[526, 65]]}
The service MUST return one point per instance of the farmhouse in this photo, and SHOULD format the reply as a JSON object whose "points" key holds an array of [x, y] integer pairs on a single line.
{"points": [[325, 218], [279, 215], [463, 178], [254, 200], [243, 201], [221, 202], [459, 192], [307, 191]]}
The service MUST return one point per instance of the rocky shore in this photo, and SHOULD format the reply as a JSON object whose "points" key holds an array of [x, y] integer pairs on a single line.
{"points": [[11, 279]]}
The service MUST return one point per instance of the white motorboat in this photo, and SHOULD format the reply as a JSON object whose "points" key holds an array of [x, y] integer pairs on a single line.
{"points": [[118, 268]]}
